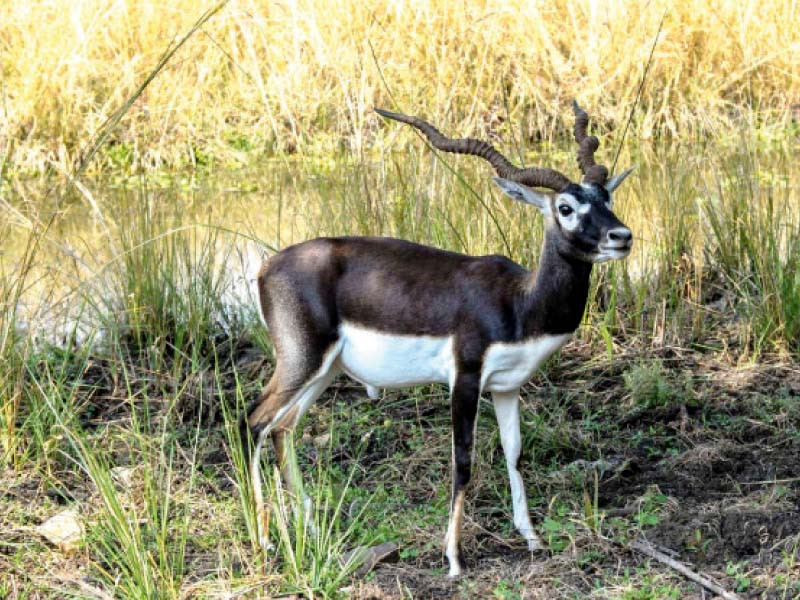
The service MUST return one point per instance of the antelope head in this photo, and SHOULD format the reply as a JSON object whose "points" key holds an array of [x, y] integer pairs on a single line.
{"points": [[579, 216]]}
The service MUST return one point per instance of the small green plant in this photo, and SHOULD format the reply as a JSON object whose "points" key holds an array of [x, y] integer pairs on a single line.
{"points": [[649, 385], [408, 554], [592, 516], [650, 590], [120, 154], [741, 579], [559, 530], [591, 557], [698, 543], [651, 507], [645, 584], [791, 561], [240, 142], [508, 590]]}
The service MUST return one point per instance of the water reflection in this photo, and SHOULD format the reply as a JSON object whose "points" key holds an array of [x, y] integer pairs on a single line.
{"points": [[248, 213]]}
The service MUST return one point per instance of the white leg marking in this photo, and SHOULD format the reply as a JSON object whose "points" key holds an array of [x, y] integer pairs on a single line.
{"points": [[453, 535], [506, 407], [258, 493]]}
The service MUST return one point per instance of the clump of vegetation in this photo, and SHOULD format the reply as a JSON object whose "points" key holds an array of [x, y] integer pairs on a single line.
{"points": [[166, 286], [651, 385], [755, 242], [302, 77], [16, 350]]}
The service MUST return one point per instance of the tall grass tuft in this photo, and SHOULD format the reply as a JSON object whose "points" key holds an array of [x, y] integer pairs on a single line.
{"points": [[284, 77], [314, 555], [12, 366], [163, 290], [22, 424], [138, 537], [755, 243]]}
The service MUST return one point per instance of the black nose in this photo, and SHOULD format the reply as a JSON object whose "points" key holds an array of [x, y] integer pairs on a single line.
{"points": [[620, 235]]}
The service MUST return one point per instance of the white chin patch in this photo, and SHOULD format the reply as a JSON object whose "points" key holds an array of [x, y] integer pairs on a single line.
{"points": [[610, 254]]}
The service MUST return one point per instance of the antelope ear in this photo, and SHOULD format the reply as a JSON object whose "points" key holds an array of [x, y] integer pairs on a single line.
{"points": [[522, 193], [614, 182]]}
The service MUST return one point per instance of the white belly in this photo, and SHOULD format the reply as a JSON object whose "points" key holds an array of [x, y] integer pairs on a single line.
{"points": [[506, 367], [386, 360]]}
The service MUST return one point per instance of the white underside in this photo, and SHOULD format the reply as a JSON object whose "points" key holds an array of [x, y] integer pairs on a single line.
{"points": [[383, 360], [506, 367], [386, 360]]}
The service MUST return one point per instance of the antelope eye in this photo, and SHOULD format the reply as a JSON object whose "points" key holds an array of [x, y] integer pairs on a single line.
{"points": [[565, 210]]}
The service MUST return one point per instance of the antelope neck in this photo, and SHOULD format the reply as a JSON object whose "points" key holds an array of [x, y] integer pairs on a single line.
{"points": [[555, 295]]}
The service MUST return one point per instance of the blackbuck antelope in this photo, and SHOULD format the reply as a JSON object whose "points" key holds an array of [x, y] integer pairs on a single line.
{"points": [[391, 314]]}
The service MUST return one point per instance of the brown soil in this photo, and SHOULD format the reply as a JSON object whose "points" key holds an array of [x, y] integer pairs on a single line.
{"points": [[731, 482]]}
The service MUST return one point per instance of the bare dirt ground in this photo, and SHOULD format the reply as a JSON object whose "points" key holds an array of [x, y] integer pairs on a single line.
{"points": [[717, 465], [695, 455]]}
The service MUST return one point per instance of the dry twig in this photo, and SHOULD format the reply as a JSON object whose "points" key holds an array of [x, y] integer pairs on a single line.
{"points": [[647, 549]]}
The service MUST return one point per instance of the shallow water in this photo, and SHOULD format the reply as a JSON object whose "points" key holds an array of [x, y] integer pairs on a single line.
{"points": [[248, 213]]}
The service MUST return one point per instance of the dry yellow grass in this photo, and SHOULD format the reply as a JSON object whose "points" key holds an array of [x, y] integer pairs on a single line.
{"points": [[300, 75]]}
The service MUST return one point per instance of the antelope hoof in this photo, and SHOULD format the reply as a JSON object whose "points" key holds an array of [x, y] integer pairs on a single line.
{"points": [[535, 545], [456, 568], [534, 541], [455, 558]]}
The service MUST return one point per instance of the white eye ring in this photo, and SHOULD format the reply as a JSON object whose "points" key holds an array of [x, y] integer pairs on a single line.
{"points": [[565, 210]]}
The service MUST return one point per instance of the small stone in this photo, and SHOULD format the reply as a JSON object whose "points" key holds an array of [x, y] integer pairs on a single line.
{"points": [[63, 530], [322, 440], [123, 476]]}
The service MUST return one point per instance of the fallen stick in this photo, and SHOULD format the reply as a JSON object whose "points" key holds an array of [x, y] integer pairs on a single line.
{"points": [[646, 548]]}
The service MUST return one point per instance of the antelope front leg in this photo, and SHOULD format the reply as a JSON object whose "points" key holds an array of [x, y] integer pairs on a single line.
{"points": [[506, 408], [464, 407]]}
